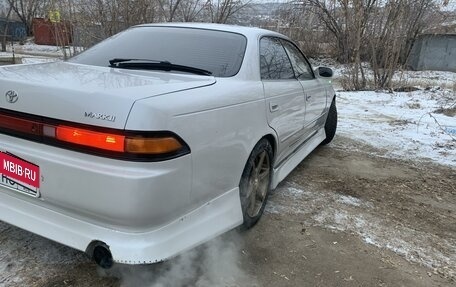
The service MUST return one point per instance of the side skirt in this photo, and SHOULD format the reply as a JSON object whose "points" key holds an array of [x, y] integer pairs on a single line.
{"points": [[298, 155]]}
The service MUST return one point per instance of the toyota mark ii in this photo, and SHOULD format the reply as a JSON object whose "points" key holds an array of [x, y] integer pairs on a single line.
{"points": [[158, 138]]}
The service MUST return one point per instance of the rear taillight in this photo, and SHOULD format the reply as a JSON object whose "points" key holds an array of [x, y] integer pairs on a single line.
{"points": [[20, 125], [84, 137], [157, 145], [129, 145]]}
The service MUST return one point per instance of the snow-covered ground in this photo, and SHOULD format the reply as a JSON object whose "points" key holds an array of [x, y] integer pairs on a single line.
{"points": [[425, 79], [402, 78], [44, 50], [408, 125], [28, 59], [29, 48]]}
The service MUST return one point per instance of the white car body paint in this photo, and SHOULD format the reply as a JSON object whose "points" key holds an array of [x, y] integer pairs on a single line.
{"points": [[150, 211]]}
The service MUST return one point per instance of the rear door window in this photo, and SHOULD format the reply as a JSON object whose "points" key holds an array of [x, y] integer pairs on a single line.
{"points": [[274, 62]]}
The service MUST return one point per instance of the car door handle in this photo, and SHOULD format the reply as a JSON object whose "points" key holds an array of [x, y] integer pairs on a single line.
{"points": [[273, 107], [308, 97]]}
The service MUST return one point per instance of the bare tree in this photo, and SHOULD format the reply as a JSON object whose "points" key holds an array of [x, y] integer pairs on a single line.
{"points": [[190, 10], [168, 8], [392, 35], [346, 20], [418, 15], [95, 20], [5, 29], [379, 32], [114, 16], [296, 20], [26, 10], [221, 11]]}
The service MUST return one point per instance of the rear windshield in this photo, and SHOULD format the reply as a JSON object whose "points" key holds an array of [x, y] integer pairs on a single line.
{"points": [[216, 51]]}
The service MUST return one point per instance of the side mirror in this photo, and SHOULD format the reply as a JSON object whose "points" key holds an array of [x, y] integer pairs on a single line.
{"points": [[325, 72]]}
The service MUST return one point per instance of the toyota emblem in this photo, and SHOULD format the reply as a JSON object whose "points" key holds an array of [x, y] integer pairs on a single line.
{"points": [[11, 96]]}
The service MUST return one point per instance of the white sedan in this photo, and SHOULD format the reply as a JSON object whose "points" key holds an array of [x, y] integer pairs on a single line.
{"points": [[158, 138]]}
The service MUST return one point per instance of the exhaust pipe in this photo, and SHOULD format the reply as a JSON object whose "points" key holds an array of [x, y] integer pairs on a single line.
{"points": [[101, 254]]}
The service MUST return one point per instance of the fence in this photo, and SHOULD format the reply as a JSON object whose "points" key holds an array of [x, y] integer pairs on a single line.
{"points": [[16, 30]]}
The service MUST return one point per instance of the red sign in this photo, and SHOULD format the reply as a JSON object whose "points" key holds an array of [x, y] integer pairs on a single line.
{"points": [[19, 170]]}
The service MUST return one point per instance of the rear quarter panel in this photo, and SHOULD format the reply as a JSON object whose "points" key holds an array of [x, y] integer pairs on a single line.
{"points": [[221, 124]]}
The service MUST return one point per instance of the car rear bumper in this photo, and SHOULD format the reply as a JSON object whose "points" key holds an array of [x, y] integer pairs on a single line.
{"points": [[142, 211], [196, 227]]}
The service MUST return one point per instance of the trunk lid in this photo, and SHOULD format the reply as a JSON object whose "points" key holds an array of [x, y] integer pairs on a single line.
{"points": [[91, 95]]}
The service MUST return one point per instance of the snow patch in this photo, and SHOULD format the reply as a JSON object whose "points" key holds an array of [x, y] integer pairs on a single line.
{"points": [[403, 124], [38, 60], [349, 200]]}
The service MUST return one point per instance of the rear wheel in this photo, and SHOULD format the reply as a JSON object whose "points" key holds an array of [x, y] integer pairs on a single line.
{"points": [[331, 123], [256, 183]]}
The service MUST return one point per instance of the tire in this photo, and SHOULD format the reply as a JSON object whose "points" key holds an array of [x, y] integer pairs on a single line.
{"points": [[256, 183], [330, 124]]}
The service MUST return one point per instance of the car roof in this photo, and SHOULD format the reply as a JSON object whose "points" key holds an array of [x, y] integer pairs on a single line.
{"points": [[246, 31]]}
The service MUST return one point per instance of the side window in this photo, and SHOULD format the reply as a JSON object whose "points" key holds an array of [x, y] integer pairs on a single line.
{"points": [[300, 65], [274, 62]]}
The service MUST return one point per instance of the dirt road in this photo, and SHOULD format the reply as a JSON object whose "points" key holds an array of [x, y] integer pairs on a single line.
{"points": [[346, 216]]}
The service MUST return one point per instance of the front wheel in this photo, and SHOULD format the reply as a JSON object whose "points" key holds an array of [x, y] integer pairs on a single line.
{"points": [[256, 183], [331, 123]]}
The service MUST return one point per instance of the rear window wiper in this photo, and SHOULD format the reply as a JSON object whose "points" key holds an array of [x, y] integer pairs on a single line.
{"points": [[155, 65]]}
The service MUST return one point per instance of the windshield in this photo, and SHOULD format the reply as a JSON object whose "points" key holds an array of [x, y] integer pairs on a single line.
{"points": [[218, 52]]}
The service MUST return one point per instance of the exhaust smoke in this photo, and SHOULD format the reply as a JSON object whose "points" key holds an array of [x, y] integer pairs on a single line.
{"points": [[216, 263]]}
